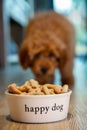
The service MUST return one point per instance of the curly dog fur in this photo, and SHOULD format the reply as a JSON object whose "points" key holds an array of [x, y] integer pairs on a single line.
{"points": [[49, 44]]}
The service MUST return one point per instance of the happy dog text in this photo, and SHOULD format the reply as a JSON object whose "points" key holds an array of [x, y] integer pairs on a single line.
{"points": [[43, 109]]}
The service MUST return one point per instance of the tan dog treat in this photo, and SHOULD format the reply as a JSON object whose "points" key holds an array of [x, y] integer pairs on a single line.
{"points": [[27, 83], [13, 89], [26, 87], [65, 88], [45, 90], [35, 93], [51, 91], [34, 83], [22, 89], [57, 89]]}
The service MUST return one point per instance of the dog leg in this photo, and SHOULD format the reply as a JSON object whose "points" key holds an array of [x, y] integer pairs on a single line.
{"points": [[67, 73]]}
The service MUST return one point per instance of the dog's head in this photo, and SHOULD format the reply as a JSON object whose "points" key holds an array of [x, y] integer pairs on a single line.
{"points": [[43, 56]]}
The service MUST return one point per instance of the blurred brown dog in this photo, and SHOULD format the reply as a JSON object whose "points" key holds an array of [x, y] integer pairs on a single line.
{"points": [[49, 44]]}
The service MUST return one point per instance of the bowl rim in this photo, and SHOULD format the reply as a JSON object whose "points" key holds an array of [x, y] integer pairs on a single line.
{"points": [[38, 96]]}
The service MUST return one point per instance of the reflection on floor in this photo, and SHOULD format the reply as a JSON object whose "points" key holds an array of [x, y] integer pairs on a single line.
{"points": [[14, 73]]}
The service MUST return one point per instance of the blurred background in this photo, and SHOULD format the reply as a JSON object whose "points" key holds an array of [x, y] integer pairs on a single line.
{"points": [[14, 16]]}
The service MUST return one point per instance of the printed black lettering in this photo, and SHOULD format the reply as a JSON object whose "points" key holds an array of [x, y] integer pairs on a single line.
{"points": [[26, 108], [36, 110]]}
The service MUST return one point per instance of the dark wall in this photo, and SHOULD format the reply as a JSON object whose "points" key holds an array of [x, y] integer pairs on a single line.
{"points": [[2, 44], [43, 5]]}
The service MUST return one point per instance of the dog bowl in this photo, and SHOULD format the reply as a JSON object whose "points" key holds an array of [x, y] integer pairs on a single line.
{"points": [[38, 108]]}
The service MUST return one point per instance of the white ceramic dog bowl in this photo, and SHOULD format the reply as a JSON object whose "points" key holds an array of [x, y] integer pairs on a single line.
{"points": [[38, 108]]}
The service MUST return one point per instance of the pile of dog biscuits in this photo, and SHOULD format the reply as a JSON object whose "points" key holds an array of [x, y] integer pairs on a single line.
{"points": [[32, 87]]}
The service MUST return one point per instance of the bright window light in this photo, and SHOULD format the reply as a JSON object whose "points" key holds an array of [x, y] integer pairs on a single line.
{"points": [[62, 5]]}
